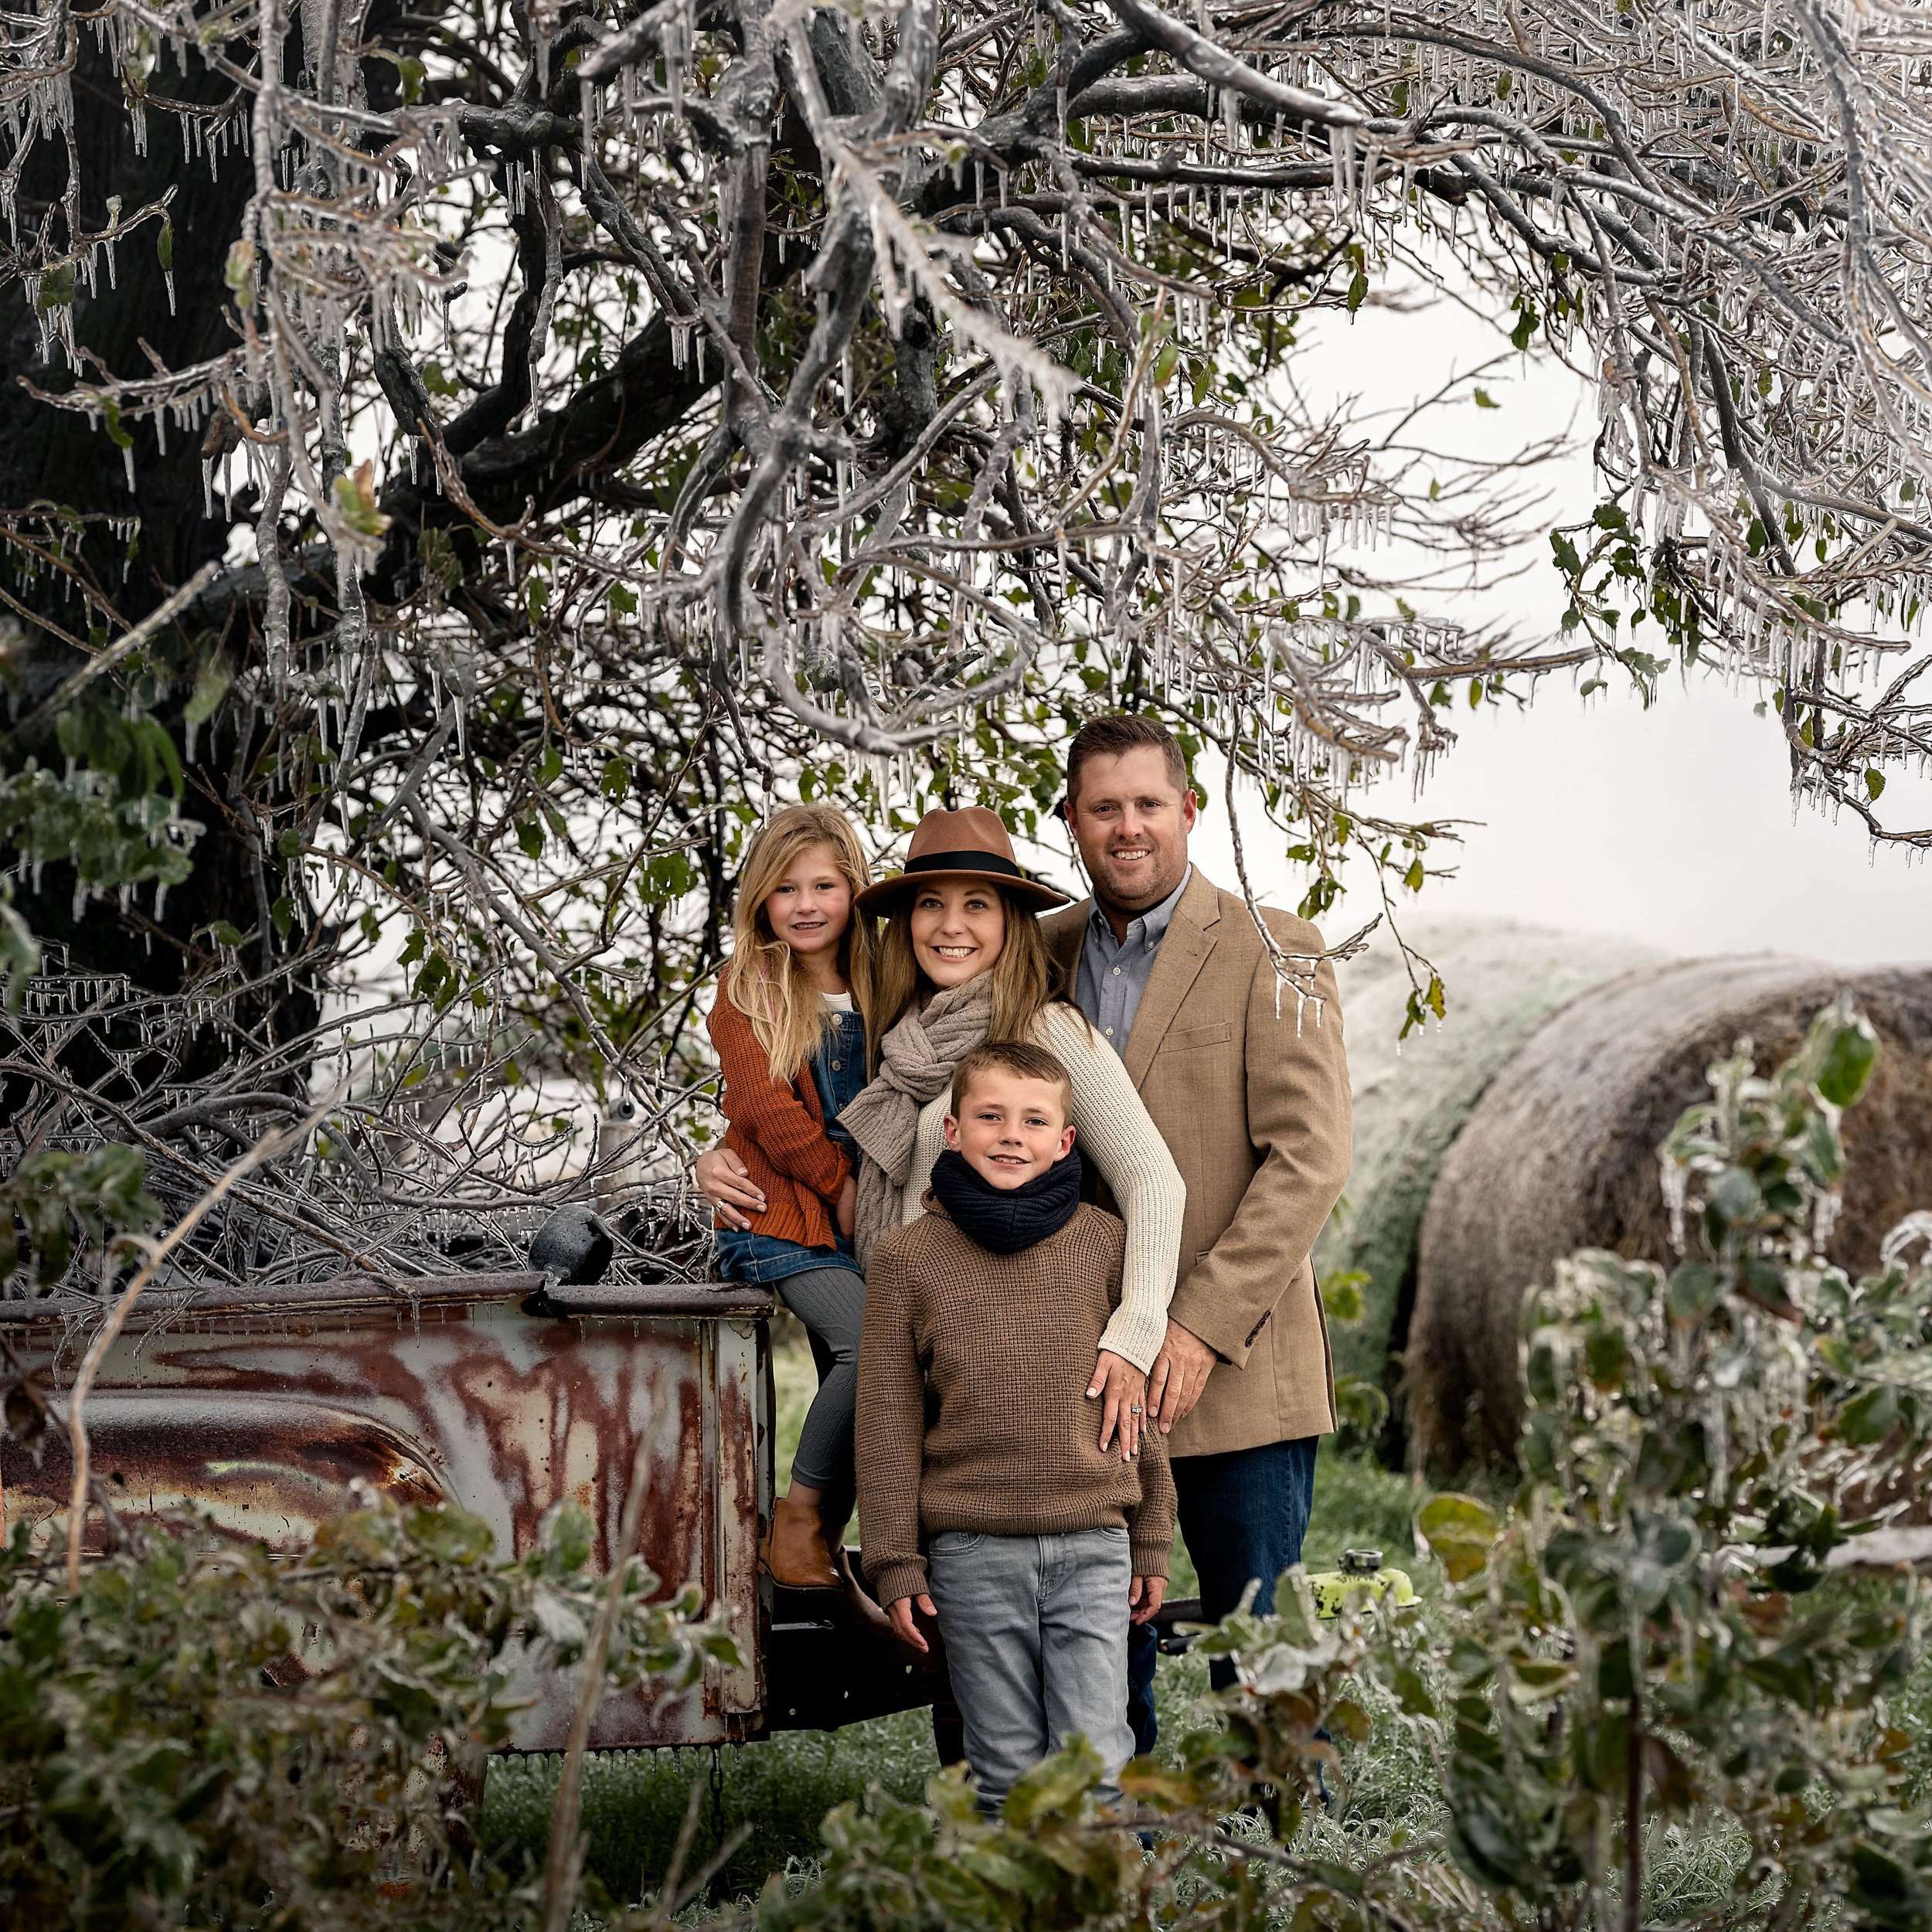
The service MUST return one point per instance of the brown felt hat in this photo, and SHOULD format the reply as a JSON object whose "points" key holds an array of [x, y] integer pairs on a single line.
{"points": [[969, 844]]}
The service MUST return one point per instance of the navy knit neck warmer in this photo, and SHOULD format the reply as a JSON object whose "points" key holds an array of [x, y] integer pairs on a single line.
{"points": [[1004, 1220]]}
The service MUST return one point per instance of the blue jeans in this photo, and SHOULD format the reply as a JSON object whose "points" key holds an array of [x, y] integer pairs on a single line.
{"points": [[1243, 1514], [1035, 1633]]}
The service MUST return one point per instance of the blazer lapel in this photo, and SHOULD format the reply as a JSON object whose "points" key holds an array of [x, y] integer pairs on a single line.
{"points": [[1066, 939], [1190, 938]]}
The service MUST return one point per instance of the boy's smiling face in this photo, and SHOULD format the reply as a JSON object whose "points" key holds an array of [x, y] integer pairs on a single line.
{"points": [[1009, 1128]]}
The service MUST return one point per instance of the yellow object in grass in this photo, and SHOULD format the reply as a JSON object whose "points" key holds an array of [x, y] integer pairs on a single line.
{"points": [[1360, 1570]]}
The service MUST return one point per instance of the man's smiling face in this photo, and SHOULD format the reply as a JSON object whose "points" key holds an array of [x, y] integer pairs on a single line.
{"points": [[1132, 820]]}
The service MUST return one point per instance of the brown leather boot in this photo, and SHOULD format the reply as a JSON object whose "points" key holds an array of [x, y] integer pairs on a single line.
{"points": [[860, 1609], [794, 1551]]}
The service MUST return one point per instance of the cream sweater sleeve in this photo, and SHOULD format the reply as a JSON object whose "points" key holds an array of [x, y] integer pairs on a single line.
{"points": [[927, 1148], [1113, 1132]]}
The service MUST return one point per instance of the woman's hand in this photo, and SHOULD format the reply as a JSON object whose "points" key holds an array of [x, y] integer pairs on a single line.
{"points": [[904, 1627], [1125, 1390], [1145, 1594], [726, 1183], [846, 1210]]}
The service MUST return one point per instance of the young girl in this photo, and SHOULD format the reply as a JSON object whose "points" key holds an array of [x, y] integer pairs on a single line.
{"points": [[790, 1031]]}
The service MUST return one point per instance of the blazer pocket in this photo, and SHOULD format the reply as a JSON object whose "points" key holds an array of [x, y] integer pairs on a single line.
{"points": [[1183, 1039]]}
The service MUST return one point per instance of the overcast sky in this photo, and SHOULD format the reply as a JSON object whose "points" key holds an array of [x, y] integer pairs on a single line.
{"points": [[1674, 825]]}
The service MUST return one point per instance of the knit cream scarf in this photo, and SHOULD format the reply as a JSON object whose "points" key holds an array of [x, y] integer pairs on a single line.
{"points": [[915, 1062]]}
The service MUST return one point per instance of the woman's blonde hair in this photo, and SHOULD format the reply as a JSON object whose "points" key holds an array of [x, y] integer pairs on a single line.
{"points": [[1023, 976], [763, 977]]}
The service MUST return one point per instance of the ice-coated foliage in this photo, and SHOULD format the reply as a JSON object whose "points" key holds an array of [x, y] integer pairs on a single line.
{"points": [[500, 448], [207, 1735]]}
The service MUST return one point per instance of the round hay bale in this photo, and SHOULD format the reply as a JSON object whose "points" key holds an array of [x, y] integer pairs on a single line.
{"points": [[1504, 979], [1560, 1153]]}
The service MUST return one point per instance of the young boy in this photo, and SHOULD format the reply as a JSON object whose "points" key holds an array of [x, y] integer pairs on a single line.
{"points": [[985, 1498]]}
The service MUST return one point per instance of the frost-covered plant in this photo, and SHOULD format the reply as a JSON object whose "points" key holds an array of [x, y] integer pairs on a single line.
{"points": [[208, 1735], [1652, 1633]]}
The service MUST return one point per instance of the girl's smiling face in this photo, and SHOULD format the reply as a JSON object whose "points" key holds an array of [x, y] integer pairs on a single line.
{"points": [[810, 906], [958, 926]]}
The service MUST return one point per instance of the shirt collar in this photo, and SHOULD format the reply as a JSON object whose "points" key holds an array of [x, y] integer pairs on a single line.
{"points": [[1150, 925]]}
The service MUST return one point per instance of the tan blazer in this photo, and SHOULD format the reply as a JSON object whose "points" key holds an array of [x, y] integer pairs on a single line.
{"points": [[1254, 1108]]}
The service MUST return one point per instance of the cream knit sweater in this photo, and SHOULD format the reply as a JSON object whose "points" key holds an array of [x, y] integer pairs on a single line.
{"points": [[1112, 1130]]}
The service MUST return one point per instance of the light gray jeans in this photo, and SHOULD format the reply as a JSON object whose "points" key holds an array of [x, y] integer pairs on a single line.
{"points": [[1036, 1634]]}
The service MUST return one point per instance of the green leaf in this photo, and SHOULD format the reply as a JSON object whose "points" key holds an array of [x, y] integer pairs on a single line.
{"points": [[1341, 1296], [1056, 1785], [1694, 1288], [56, 289], [1461, 1530], [355, 500], [1485, 401], [1735, 1196], [1607, 1358], [1869, 1417], [1851, 1051], [164, 243], [1411, 1692], [1357, 291], [211, 686], [239, 270], [1874, 784]]}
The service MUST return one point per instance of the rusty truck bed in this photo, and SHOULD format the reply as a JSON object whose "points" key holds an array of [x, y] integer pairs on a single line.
{"points": [[258, 1409]]}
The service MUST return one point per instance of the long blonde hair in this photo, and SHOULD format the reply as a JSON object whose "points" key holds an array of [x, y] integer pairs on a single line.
{"points": [[763, 977], [1023, 976]]}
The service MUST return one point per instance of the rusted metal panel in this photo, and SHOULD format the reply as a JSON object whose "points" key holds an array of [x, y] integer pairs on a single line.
{"points": [[260, 1408]]}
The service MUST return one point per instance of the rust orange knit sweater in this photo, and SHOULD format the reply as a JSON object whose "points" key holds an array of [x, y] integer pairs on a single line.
{"points": [[778, 1129]]}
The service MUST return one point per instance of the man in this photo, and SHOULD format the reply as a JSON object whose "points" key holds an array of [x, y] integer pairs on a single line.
{"points": [[1247, 1082]]}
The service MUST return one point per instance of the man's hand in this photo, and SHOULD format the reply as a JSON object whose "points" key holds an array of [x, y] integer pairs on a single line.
{"points": [[1145, 1594], [726, 1183], [1179, 1374], [846, 1212], [1125, 1390], [904, 1626]]}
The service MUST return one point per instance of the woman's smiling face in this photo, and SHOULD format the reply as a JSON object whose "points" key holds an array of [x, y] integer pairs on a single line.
{"points": [[958, 926]]}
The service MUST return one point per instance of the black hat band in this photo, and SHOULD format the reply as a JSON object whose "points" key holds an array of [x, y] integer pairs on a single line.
{"points": [[964, 861]]}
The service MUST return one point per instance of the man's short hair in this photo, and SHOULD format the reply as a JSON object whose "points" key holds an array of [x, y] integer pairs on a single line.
{"points": [[1123, 731], [1019, 1057]]}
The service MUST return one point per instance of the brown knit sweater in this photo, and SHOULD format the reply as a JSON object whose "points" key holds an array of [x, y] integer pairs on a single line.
{"points": [[973, 1411]]}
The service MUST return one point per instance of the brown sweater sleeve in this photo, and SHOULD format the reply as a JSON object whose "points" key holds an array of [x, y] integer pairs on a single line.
{"points": [[1149, 1524], [891, 1432]]}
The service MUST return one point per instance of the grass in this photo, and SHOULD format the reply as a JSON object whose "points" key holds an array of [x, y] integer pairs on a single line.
{"points": [[634, 1801]]}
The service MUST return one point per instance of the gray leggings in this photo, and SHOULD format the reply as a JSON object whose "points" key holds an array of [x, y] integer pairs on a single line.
{"points": [[830, 1302]]}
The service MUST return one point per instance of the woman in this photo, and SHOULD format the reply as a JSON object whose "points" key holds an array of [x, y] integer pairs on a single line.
{"points": [[963, 960]]}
